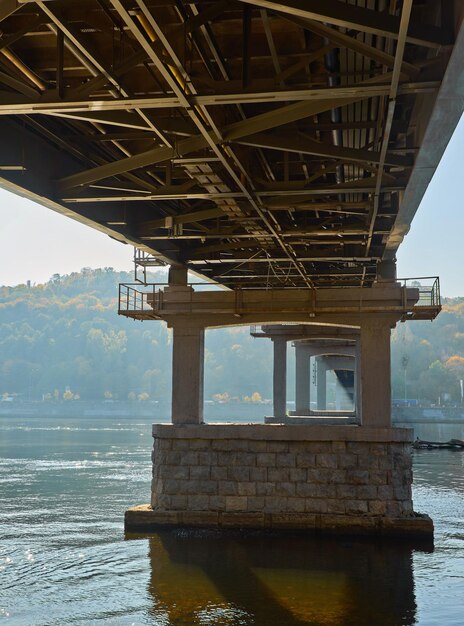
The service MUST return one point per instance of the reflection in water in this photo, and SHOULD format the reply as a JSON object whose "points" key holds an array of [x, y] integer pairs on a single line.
{"points": [[205, 577]]}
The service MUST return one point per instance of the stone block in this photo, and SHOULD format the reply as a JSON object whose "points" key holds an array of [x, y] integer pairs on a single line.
{"points": [[240, 445], [407, 507], [298, 474], [225, 459], [371, 462], [295, 505], [217, 503], [258, 474], [347, 460], [377, 507], [402, 461], [346, 523], [240, 474], [320, 447], [180, 444], [316, 506], [285, 459], [379, 449], [164, 444], [402, 492], [385, 462], [326, 460], [256, 503], [258, 446], [319, 475], [357, 477], [198, 502], [337, 477], [357, 447], [242, 520], [285, 489], [305, 460], [347, 492], [172, 458], [200, 518], [394, 509], [385, 492], [338, 447], [378, 477], [246, 489], [245, 458], [220, 444], [210, 457], [356, 507], [305, 490], [178, 503], [200, 444], [180, 472], [265, 489], [335, 506], [171, 486], [209, 487], [367, 492], [218, 473], [292, 520], [275, 504], [188, 458], [266, 459], [277, 446], [162, 503], [200, 472], [227, 488], [276, 475], [236, 503]]}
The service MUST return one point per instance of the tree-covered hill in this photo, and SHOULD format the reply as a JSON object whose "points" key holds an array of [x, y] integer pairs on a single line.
{"points": [[65, 338]]}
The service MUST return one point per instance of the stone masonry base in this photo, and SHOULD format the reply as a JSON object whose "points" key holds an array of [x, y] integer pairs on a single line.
{"points": [[337, 478]]}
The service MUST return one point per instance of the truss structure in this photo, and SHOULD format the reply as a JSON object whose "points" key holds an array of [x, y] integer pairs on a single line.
{"points": [[262, 144]]}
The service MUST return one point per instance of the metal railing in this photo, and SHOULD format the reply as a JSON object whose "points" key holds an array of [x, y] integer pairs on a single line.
{"points": [[136, 299], [139, 298], [429, 294]]}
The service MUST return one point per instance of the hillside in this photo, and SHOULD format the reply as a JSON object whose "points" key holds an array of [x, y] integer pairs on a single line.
{"points": [[64, 338]]}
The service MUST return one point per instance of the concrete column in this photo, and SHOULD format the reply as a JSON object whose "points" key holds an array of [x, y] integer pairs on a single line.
{"points": [[302, 389], [339, 393], [375, 393], [321, 381], [187, 374], [280, 377], [357, 381]]}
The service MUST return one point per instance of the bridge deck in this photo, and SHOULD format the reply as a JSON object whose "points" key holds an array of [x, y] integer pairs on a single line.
{"points": [[263, 144]]}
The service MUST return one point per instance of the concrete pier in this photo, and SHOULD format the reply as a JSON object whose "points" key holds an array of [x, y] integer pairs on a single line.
{"points": [[350, 478], [328, 478]]}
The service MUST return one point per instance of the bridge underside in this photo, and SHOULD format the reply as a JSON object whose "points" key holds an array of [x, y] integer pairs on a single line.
{"points": [[261, 144], [266, 146]]}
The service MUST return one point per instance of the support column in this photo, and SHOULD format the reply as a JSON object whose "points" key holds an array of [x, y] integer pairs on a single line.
{"points": [[302, 389], [338, 395], [280, 377], [375, 392], [321, 379], [187, 374]]}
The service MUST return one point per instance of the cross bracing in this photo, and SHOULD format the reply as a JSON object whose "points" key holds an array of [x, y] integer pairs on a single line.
{"points": [[260, 143]]}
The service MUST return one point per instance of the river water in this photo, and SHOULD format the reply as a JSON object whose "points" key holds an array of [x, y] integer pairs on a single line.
{"points": [[64, 486]]}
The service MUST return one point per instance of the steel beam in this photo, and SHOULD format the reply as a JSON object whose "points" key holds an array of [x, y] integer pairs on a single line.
{"points": [[350, 16]]}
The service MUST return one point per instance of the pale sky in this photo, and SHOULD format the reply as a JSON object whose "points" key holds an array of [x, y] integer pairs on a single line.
{"points": [[36, 242]]}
